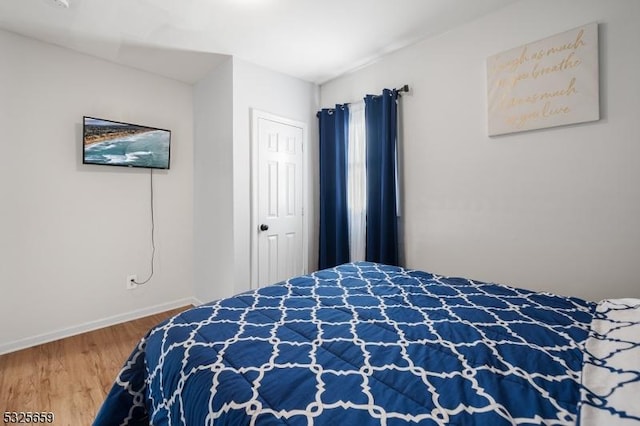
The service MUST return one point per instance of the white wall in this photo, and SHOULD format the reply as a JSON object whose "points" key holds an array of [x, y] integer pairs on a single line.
{"points": [[71, 233], [213, 184], [555, 209]]}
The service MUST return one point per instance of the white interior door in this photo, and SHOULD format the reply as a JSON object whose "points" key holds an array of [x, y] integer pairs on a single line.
{"points": [[279, 190]]}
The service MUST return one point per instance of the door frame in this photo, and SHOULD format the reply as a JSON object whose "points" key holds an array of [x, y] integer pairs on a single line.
{"points": [[256, 115]]}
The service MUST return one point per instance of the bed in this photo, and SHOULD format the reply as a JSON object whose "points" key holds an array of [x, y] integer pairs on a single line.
{"points": [[372, 344]]}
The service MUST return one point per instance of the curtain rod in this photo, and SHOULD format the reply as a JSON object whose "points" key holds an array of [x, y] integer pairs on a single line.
{"points": [[404, 88]]}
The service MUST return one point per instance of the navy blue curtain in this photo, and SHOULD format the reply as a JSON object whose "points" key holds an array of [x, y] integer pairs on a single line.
{"points": [[334, 228], [381, 115]]}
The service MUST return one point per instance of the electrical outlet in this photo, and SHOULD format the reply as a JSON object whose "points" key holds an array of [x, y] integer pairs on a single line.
{"points": [[131, 281]]}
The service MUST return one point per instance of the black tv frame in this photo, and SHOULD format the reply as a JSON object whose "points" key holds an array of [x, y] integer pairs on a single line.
{"points": [[132, 129]]}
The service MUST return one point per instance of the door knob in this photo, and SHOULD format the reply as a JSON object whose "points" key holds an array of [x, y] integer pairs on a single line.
{"points": [[264, 227]]}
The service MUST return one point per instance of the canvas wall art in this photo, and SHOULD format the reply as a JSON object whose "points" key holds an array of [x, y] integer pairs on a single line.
{"points": [[547, 83]]}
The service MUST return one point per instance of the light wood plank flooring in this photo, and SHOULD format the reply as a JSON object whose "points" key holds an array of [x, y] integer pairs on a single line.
{"points": [[70, 377]]}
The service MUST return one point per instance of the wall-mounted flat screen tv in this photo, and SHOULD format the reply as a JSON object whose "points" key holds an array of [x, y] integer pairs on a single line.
{"points": [[113, 143]]}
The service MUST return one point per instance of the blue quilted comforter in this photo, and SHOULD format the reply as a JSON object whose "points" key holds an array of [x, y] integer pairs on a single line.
{"points": [[360, 344]]}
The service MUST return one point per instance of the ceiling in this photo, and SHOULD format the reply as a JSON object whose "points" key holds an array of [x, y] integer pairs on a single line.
{"points": [[314, 40]]}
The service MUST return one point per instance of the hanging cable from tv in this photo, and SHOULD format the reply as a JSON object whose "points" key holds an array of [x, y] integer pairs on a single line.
{"points": [[153, 226]]}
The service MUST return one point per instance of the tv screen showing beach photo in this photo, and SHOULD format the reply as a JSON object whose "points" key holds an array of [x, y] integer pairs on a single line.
{"points": [[113, 143]]}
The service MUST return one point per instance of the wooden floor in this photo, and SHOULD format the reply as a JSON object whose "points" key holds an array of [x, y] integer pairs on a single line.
{"points": [[70, 377]]}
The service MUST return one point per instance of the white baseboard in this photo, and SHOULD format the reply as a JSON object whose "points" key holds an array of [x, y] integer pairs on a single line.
{"points": [[39, 339]]}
